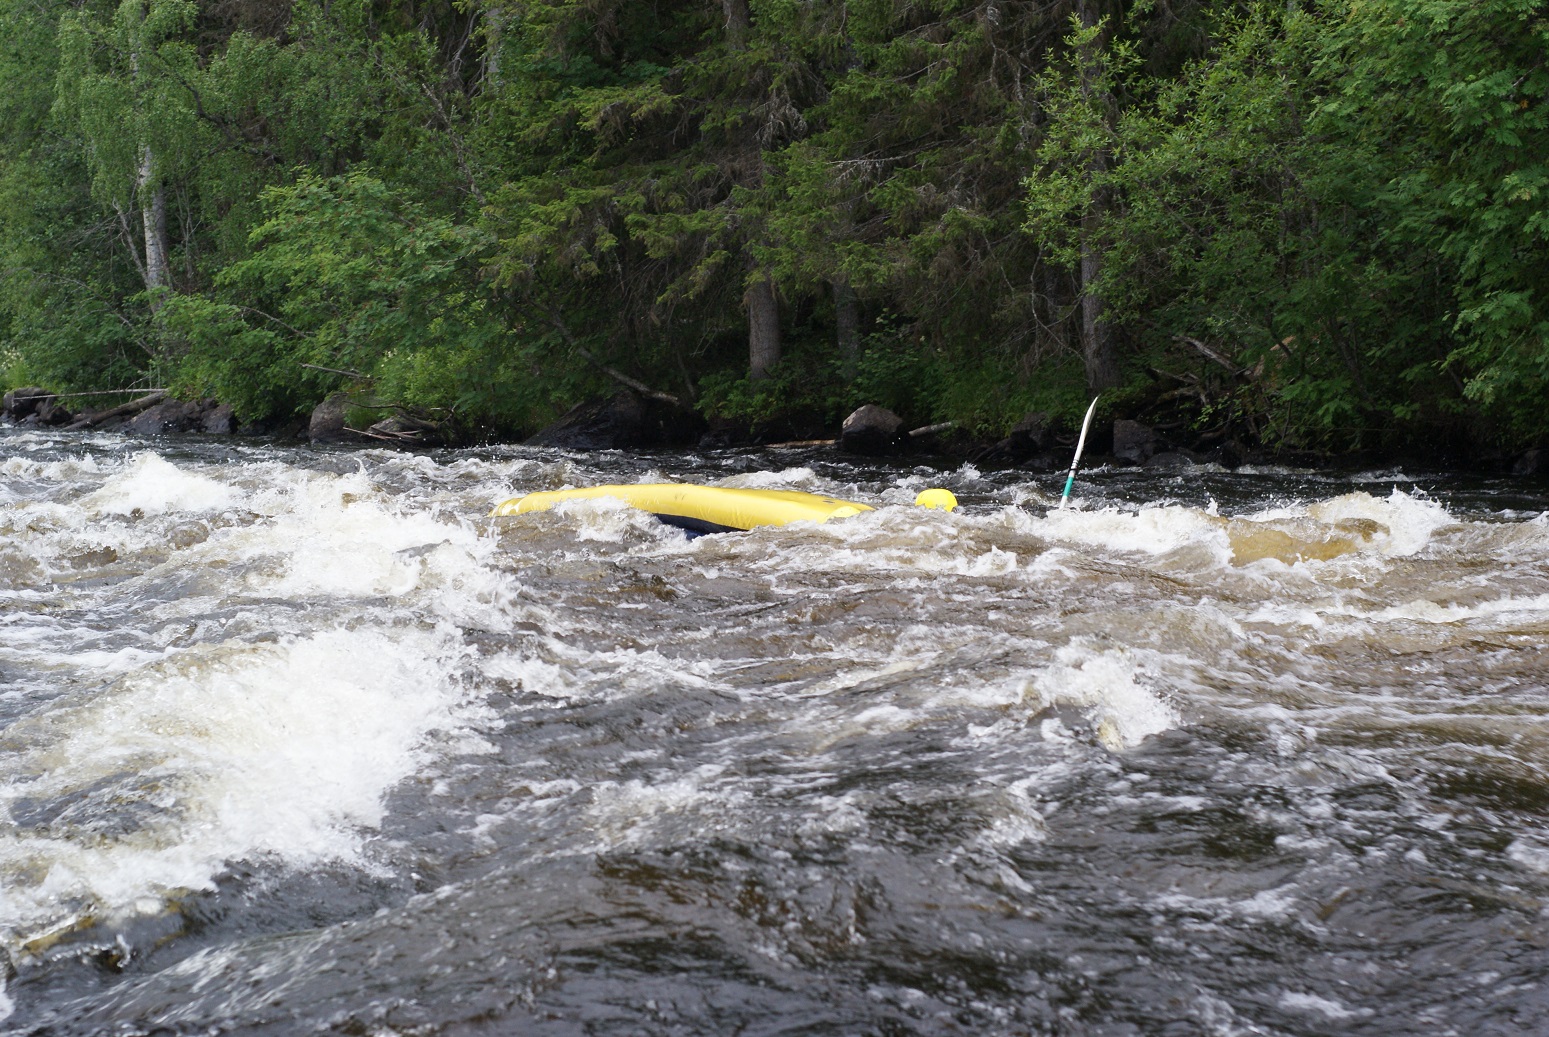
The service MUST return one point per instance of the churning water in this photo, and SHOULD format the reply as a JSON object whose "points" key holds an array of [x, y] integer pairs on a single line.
{"points": [[301, 742]]}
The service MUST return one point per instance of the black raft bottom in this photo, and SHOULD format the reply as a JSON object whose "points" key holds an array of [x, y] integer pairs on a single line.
{"points": [[696, 527]]}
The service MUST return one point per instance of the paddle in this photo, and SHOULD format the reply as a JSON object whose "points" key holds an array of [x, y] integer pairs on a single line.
{"points": [[1070, 480]]}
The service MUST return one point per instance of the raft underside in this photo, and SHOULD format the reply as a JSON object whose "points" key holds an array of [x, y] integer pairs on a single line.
{"points": [[694, 525]]}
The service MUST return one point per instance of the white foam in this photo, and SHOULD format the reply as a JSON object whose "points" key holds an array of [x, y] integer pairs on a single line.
{"points": [[901, 539], [1107, 684], [338, 537], [572, 674], [631, 813], [803, 478], [1153, 531], [1327, 1008], [151, 485], [537, 676], [225, 753], [1425, 611], [1405, 523], [1530, 854]]}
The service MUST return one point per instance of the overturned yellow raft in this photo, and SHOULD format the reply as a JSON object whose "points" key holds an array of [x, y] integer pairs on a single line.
{"points": [[715, 509]]}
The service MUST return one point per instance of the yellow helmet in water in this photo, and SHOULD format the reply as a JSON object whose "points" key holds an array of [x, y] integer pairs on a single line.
{"points": [[942, 500]]}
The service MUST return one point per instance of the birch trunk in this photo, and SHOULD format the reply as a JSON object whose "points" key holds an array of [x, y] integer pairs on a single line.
{"points": [[153, 211], [151, 194]]}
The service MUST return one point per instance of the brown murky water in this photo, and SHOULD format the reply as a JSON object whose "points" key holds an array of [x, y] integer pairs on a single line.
{"points": [[301, 742]]}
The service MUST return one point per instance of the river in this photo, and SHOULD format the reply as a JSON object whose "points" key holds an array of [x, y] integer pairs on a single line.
{"points": [[299, 741]]}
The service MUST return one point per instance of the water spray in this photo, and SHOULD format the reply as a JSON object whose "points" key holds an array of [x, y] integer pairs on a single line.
{"points": [[1070, 480]]}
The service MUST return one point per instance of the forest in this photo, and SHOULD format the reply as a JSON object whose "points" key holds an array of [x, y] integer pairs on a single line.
{"points": [[1314, 225]]}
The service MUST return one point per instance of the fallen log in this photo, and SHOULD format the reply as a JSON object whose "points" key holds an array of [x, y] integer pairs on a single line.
{"points": [[122, 410]]}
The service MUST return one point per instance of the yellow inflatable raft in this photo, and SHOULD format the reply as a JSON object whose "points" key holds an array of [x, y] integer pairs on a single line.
{"points": [[715, 509]]}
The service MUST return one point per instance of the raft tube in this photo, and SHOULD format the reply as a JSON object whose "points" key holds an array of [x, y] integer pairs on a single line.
{"points": [[701, 509], [715, 509]]}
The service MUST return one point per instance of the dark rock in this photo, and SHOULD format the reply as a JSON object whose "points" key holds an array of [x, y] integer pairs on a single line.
{"points": [[1231, 454], [1035, 430], [219, 420], [1048, 461], [873, 431], [24, 402], [1030, 437], [1529, 463], [1133, 441], [327, 422], [1172, 459], [625, 421], [49, 412], [166, 416], [724, 435], [289, 430]]}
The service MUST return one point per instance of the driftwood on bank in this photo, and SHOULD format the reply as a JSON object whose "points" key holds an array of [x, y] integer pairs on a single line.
{"points": [[99, 392], [924, 430], [123, 410]]}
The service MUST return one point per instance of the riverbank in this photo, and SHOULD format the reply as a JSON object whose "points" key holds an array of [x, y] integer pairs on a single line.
{"points": [[1040, 442]]}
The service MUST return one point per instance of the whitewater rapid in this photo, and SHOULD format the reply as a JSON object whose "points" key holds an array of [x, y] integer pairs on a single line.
{"points": [[312, 725]]}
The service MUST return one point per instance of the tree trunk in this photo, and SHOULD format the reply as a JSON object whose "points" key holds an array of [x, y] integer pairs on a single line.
{"points": [[763, 307], [847, 325], [738, 21], [494, 38], [759, 301], [1097, 350], [1097, 346], [150, 192], [153, 210]]}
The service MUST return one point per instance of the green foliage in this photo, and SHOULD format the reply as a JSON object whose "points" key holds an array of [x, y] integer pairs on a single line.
{"points": [[1461, 90], [1243, 218], [344, 273], [1327, 220]]}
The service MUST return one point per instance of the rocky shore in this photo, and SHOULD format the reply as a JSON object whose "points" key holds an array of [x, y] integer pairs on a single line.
{"points": [[629, 421]]}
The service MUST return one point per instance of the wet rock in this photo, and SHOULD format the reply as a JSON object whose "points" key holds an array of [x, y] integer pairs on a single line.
{"points": [[1530, 462], [873, 431], [1172, 459], [724, 435], [625, 421], [1133, 441], [219, 420], [1048, 461], [327, 423], [24, 402], [1231, 454], [166, 416], [1028, 439], [49, 412]]}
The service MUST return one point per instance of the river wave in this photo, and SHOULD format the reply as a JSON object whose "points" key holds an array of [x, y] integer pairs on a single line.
{"points": [[303, 741]]}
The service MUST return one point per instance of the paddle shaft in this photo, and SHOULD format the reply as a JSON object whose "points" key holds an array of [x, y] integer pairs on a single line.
{"points": [[1070, 480]]}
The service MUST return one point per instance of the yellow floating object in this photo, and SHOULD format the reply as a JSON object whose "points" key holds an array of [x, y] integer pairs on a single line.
{"points": [[942, 500], [702, 509]]}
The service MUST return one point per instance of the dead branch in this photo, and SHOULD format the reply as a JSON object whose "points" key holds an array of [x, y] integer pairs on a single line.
{"points": [[1209, 352]]}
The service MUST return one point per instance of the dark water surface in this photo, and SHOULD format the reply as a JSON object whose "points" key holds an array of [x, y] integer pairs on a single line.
{"points": [[300, 742]]}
